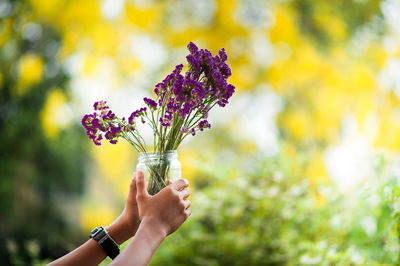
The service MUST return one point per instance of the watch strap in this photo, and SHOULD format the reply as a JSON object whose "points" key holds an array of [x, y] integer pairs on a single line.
{"points": [[106, 242]]}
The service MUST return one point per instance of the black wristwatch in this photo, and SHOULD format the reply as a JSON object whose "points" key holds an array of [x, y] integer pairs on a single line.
{"points": [[102, 237]]}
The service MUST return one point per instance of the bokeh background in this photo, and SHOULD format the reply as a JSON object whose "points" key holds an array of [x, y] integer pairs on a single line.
{"points": [[302, 167]]}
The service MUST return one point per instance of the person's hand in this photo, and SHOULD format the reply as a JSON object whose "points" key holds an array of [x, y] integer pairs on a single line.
{"points": [[126, 225], [166, 210], [130, 214]]}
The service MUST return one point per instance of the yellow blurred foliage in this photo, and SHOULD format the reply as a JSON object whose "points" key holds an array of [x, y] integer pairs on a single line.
{"points": [[46, 8], [117, 163], [49, 116], [146, 17], [319, 200], [90, 63], [187, 158], [285, 29], [298, 123], [30, 72], [320, 85], [316, 169], [330, 22], [95, 215], [128, 65], [5, 31], [389, 124]]}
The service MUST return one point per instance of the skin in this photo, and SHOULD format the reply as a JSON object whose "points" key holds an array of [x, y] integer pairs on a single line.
{"points": [[160, 215]]}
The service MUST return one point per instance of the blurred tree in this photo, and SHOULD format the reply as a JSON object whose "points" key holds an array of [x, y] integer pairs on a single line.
{"points": [[39, 172], [320, 58], [269, 216]]}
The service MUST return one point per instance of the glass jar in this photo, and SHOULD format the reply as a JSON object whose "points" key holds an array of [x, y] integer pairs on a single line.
{"points": [[159, 169]]}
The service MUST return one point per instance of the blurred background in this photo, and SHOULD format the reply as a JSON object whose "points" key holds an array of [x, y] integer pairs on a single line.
{"points": [[302, 167]]}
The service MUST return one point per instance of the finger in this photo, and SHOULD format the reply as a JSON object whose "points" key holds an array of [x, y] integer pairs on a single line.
{"points": [[180, 184], [170, 182], [188, 212], [132, 189], [141, 185], [184, 193], [187, 203]]}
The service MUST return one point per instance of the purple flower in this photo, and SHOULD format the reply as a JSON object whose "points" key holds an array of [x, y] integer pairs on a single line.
{"points": [[160, 88], [115, 131], [193, 63], [222, 55], [108, 135], [225, 70], [192, 48], [230, 90], [97, 140], [150, 103], [99, 124], [87, 121], [137, 113], [185, 110], [172, 105], [179, 99], [91, 133], [204, 124], [108, 116], [101, 105], [165, 122]]}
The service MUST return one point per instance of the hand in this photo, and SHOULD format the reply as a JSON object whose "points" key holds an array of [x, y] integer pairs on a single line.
{"points": [[126, 225], [166, 210]]}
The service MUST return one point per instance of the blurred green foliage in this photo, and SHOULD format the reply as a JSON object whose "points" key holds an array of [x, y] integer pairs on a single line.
{"points": [[269, 216], [37, 173], [248, 209]]}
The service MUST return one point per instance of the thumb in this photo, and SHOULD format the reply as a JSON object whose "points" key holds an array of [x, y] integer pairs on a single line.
{"points": [[141, 186], [132, 190]]}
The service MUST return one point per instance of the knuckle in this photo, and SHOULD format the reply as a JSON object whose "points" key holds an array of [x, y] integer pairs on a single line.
{"points": [[183, 182], [177, 198], [175, 193], [140, 197], [168, 190]]}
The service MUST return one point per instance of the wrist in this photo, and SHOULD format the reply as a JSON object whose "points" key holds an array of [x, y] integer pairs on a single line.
{"points": [[120, 231], [152, 231], [154, 228]]}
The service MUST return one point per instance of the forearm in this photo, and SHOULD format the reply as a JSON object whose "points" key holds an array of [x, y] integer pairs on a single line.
{"points": [[91, 253], [142, 247]]}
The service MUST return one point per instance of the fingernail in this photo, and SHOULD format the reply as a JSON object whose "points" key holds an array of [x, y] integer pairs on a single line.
{"points": [[140, 175]]}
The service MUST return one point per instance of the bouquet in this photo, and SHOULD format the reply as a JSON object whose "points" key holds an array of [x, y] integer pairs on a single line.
{"points": [[179, 108]]}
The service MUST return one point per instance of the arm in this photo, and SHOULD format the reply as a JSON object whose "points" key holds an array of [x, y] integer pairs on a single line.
{"points": [[161, 215], [123, 228]]}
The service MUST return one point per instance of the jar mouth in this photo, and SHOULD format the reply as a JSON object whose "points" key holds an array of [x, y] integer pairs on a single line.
{"points": [[156, 154]]}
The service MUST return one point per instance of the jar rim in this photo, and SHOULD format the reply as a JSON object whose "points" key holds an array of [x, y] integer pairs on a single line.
{"points": [[155, 154]]}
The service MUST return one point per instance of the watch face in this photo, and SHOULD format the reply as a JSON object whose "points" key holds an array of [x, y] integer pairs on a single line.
{"points": [[95, 231]]}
